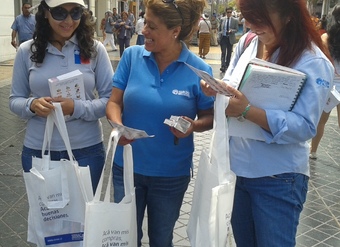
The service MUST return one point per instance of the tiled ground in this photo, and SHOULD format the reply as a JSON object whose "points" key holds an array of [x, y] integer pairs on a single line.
{"points": [[320, 220]]}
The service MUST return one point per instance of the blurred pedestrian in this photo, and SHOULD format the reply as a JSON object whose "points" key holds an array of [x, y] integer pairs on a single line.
{"points": [[204, 29], [109, 26], [125, 29], [23, 25], [139, 29], [227, 29]]}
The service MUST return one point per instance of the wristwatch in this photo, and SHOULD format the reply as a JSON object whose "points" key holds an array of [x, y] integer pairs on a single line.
{"points": [[242, 117]]}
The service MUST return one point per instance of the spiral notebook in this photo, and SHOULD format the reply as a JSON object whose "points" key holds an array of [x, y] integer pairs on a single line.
{"points": [[267, 86]]}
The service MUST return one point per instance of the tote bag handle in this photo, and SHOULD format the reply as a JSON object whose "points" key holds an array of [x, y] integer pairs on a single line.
{"points": [[128, 170], [219, 148]]}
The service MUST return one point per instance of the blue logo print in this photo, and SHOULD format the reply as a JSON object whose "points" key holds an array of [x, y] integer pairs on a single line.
{"points": [[322, 82]]}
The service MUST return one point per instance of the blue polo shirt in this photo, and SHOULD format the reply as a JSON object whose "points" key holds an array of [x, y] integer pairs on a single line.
{"points": [[25, 27], [151, 97]]}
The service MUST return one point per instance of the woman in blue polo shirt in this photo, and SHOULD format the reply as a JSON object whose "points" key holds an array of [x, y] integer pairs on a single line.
{"points": [[151, 83]]}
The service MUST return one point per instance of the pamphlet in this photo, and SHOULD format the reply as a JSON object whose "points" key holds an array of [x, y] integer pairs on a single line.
{"points": [[178, 123], [129, 133], [214, 84], [69, 85], [268, 86]]}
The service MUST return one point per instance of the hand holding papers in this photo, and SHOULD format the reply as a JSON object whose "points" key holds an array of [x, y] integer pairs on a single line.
{"points": [[129, 133], [333, 100], [218, 87], [267, 86]]}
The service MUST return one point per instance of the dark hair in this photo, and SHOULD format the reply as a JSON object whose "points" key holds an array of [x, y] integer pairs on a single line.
{"points": [[298, 34], [191, 11], [43, 33], [334, 33], [25, 3], [228, 8]]}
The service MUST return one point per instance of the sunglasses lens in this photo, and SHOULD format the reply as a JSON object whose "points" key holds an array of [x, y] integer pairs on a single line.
{"points": [[59, 13], [76, 13]]}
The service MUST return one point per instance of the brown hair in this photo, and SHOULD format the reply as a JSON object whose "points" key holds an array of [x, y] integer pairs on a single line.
{"points": [[191, 11], [299, 32]]}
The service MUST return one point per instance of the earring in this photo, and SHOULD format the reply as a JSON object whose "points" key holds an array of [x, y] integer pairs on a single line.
{"points": [[175, 37]]}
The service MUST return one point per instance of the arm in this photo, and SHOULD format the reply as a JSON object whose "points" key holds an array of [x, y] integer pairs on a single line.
{"points": [[14, 42]]}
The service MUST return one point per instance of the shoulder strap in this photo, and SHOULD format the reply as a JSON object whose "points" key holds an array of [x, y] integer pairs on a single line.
{"points": [[249, 38]]}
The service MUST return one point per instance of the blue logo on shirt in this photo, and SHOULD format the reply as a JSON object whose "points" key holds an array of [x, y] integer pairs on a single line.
{"points": [[181, 92], [322, 82]]}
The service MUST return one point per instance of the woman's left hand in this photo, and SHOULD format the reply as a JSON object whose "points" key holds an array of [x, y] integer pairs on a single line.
{"points": [[67, 105], [179, 134], [237, 103]]}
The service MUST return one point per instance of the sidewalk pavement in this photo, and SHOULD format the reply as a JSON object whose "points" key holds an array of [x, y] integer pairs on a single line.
{"points": [[320, 219]]}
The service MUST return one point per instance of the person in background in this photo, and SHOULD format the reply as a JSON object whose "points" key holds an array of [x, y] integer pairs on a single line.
{"points": [[115, 17], [214, 28], [151, 83], [125, 28], [139, 29], [204, 29], [272, 175], [227, 29], [331, 40], [47, 56], [93, 19], [102, 27], [23, 25], [131, 17], [109, 26]]}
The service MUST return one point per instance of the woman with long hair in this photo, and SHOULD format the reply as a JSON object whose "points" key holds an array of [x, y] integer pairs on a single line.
{"points": [[272, 175], [63, 42]]}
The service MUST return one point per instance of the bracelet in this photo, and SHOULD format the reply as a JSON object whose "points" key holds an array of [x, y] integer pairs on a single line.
{"points": [[242, 117], [244, 113]]}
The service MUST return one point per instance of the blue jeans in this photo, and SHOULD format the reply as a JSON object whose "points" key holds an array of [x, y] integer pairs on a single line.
{"points": [[162, 196], [266, 210], [93, 156]]}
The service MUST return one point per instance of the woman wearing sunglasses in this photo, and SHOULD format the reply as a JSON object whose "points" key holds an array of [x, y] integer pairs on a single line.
{"points": [[63, 42], [151, 83]]}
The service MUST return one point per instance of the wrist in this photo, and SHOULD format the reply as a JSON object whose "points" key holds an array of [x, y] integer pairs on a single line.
{"points": [[243, 115]]}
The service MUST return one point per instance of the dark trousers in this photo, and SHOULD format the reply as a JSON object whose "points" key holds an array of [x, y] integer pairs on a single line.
{"points": [[123, 43], [226, 49]]}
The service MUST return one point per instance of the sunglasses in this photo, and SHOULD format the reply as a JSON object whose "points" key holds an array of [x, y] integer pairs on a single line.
{"points": [[176, 6], [60, 14], [229, 12]]}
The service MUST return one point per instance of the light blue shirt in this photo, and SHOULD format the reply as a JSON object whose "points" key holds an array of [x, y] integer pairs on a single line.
{"points": [[30, 81], [25, 27], [285, 149], [150, 98]]}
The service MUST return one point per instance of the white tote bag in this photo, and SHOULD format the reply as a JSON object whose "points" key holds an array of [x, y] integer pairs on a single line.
{"points": [[209, 221], [57, 192], [108, 223]]}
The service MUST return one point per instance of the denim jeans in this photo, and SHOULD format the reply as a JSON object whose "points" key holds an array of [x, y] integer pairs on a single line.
{"points": [[266, 210], [162, 196], [93, 156]]}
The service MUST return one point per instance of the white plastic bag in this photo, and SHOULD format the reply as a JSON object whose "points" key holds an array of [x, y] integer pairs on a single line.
{"points": [[108, 223], [57, 192], [209, 221]]}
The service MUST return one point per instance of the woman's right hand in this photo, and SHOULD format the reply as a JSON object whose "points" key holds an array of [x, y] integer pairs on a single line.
{"points": [[42, 106], [207, 90]]}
